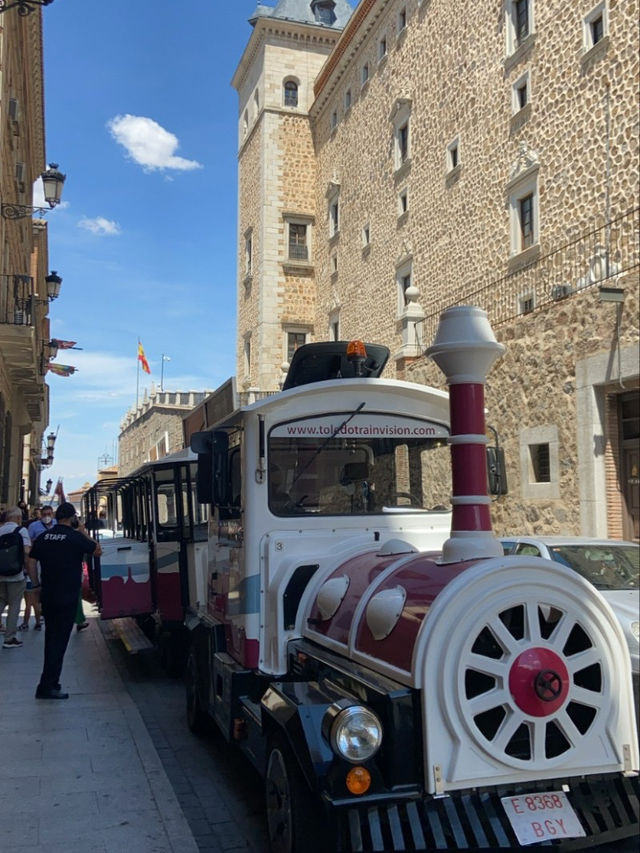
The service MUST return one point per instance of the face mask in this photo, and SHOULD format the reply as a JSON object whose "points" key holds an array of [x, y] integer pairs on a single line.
{"points": [[47, 519]]}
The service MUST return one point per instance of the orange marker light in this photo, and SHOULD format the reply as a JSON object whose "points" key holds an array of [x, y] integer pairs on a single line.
{"points": [[358, 780], [356, 349]]}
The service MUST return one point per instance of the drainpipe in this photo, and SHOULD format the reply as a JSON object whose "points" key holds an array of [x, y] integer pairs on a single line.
{"points": [[465, 349]]}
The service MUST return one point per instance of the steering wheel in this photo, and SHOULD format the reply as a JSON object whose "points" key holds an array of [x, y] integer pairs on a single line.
{"points": [[413, 500]]}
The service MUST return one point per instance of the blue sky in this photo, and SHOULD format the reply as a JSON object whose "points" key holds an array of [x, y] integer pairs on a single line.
{"points": [[141, 117]]}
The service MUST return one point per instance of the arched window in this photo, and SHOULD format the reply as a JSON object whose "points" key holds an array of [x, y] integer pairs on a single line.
{"points": [[290, 93]]}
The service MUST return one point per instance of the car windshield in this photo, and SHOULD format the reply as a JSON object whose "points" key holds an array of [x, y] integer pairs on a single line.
{"points": [[358, 464], [605, 566]]}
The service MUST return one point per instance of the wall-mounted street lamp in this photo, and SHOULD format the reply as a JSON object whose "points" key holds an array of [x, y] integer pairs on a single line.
{"points": [[25, 7], [47, 460], [52, 181], [48, 485], [53, 282]]}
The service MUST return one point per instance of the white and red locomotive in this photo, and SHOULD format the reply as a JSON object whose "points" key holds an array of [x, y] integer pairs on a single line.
{"points": [[399, 691], [399, 682]]}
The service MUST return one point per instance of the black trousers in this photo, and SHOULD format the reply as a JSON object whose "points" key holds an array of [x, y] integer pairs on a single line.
{"points": [[59, 619]]}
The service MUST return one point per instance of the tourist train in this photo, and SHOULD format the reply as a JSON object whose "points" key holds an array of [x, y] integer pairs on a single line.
{"points": [[323, 561]]}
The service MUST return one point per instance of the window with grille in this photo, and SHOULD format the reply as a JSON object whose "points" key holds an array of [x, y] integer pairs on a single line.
{"points": [[294, 340], [540, 463], [298, 245]]}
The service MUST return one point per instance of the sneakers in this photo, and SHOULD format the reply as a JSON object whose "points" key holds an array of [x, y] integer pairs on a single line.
{"points": [[37, 626], [23, 627], [14, 643], [82, 626]]}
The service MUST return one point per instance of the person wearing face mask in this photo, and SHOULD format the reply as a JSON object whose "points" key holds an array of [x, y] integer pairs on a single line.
{"points": [[42, 524], [31, 598]]}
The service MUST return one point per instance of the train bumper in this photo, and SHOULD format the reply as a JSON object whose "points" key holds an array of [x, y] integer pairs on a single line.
{"points": [[606, 806]]}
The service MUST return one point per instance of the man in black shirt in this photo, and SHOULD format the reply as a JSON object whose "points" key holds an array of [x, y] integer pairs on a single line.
{"points": [[60, 552]]}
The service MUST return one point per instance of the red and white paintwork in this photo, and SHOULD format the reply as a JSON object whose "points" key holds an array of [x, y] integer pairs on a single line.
{"points": [[417, 618]]}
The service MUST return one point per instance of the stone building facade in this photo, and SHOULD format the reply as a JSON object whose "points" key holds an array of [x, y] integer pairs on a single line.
{"points": [[487, 157], [24, 263], [154, 429]]}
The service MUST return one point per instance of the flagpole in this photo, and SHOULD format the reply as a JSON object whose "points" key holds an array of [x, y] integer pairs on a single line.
{"points": [[138, 375]]}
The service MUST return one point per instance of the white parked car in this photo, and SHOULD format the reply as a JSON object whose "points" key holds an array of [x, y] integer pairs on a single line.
{"points": [[611, 565]]}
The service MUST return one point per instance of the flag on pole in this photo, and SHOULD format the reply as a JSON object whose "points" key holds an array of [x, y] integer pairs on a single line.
{"points": [[63, 344], [59, 491], [143, 359], [62, 369]]}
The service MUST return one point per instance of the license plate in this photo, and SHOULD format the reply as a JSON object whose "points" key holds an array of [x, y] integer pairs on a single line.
{"points": [[541, 817]]}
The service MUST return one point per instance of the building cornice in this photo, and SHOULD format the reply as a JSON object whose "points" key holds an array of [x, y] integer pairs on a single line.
{"points": [[295, 31]]}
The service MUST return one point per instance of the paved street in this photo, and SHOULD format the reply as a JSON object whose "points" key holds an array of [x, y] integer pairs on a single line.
{"points": [[115, 769], [220, 794]]}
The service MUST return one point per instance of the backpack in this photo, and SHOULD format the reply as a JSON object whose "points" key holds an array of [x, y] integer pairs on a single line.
{"points": [[11, 553]]}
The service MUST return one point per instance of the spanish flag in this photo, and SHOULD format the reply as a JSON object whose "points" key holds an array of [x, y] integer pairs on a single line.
{"points": [[143, 359]]}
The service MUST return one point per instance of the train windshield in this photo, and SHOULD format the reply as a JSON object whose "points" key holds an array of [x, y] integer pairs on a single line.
{"points": [[358, 464]]}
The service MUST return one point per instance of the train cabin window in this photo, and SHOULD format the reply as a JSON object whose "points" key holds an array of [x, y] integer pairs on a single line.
{"points": [[358, 465]]}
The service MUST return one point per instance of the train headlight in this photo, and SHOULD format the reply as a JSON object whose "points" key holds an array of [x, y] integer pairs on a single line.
{"points": [[354, 731], [635, 629]]}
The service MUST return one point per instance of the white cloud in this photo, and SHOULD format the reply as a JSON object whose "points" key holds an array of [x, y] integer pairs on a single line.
{"points": [[100, 226], [149, 144]]}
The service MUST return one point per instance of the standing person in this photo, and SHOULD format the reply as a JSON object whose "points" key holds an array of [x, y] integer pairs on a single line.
{"points": [[60, 552], [14, 560], [32, 599], [24, 509], [42, 524]]}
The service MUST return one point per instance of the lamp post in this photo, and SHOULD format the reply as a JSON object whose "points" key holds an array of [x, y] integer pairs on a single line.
{"points": [[25, 7], [52, 181]]}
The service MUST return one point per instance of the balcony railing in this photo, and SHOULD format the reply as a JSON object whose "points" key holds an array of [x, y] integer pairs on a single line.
{"points": [[17, 303], [594, 258], [298, 252]]}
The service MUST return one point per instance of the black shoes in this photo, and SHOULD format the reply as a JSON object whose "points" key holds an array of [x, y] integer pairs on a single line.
{"points": [[82, 626], [53, 693]]}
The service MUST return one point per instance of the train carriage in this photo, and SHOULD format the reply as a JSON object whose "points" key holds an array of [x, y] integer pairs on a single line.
{"points": [[154, 541]]}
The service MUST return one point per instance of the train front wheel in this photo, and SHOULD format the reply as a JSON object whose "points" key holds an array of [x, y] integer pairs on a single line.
{"points": [[292, 811]]}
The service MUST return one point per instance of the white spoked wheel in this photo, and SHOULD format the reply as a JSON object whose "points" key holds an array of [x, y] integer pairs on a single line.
{"points": [[526, 668], [533, 681]]}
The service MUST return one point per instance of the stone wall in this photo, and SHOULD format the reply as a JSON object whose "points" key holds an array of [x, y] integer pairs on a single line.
{"points": [[533, 390], [154, 428], [453, 72], [276, 181]]}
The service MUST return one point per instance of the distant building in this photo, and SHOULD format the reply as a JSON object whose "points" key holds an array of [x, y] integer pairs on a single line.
{"points": [[154, 428], [397, 159]]}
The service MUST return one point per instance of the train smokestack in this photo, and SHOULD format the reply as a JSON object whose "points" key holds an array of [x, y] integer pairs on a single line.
{"points": [[465, 349]]}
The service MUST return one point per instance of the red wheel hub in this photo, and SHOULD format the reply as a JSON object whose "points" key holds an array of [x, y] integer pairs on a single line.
{"points": [[539, 682]]}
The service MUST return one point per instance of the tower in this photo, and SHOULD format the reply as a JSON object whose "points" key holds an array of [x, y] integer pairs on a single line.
{"points": [[276, 182]]}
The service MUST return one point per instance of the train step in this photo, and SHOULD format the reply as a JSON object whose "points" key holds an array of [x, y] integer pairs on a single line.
{"points": [[127, 629]]}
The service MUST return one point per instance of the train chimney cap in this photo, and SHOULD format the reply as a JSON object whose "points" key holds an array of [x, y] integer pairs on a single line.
{"points": [[465, 347]]}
